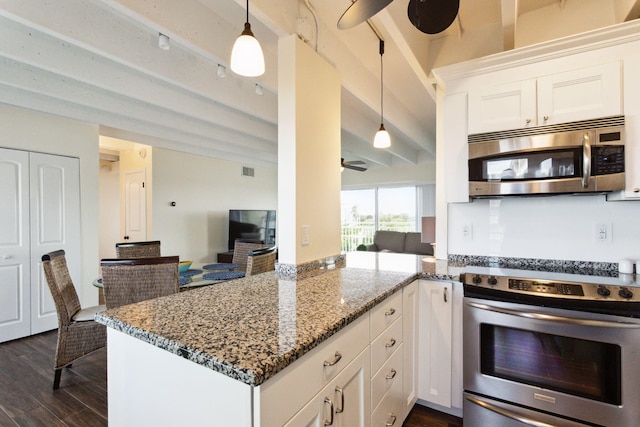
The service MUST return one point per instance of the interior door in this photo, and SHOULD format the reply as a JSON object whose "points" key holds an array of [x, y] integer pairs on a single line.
{"points": [[55, 219], [14, 245], [135, 217]]}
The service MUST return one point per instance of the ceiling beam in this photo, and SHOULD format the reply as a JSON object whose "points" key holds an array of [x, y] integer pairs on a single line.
{"points": [[509, 16]]}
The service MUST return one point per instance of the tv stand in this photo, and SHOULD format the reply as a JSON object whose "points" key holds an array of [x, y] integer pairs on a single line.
{"points": [[225, 256]]}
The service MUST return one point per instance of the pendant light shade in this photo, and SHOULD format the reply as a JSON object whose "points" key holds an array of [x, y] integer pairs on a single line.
{"points": [[246, 57], [382, 138]]}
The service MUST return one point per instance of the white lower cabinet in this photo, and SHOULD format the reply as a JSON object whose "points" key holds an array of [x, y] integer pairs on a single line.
{"points": [[344, 402], [355, 378], [440, 344]]}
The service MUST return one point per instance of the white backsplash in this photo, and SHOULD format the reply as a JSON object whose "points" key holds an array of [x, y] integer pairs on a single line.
{"points": [[552, 227]]}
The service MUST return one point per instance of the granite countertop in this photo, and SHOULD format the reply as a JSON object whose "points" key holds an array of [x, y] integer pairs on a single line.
{"points": [[250, 329]]}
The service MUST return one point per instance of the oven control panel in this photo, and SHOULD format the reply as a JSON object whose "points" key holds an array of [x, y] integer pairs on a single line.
{"points": [[553, 288]]}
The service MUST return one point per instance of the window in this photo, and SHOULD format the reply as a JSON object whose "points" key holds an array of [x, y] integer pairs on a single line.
{"points": [[365, 211]]}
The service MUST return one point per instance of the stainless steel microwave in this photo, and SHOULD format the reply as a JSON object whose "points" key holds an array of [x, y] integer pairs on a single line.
{"points": [[576, 157]]}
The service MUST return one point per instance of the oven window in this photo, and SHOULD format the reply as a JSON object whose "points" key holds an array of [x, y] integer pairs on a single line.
{"points": [[575, 366]]}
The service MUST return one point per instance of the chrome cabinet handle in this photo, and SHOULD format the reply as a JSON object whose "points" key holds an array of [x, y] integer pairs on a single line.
{"points": [[550, 317], [341, 408], [7, 256], [528, 121], [546, 118], [390, 343], [391, 421], [330, 422], [445, 294], [636, 190], [391, 375], [586, 159], [390, 312], [336, 359]]}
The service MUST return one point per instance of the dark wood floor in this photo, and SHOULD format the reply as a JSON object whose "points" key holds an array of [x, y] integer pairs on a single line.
{"points": [[27, 397]]}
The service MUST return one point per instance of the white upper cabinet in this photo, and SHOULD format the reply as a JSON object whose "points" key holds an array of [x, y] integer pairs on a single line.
{"points": [[586, 93], [582, 94], [507, 106]]}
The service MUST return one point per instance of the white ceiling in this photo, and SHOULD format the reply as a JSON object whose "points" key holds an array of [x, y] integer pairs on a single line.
{"points": [[98, 61]]}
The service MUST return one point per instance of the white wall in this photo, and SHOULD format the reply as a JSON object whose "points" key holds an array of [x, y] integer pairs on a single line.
{"points": [[31, 131], [109, 208], [204, 190], [423, 173], [557, 227]]}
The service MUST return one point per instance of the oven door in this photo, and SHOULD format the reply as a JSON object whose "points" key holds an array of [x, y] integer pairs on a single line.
{"points": [[579, 365]]}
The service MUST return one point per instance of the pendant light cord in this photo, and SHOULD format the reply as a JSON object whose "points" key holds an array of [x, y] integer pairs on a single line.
{"points": [[381, 83], [247, 11]]}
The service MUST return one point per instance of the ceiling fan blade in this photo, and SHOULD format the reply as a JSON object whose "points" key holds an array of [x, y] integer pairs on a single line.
{"points": [[432, 16], [360, 11], [357, 162], [355, 168]]}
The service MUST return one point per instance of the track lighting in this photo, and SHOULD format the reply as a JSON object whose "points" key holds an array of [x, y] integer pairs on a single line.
{"points": [[246, 57], [221, 71], [163, 41]]}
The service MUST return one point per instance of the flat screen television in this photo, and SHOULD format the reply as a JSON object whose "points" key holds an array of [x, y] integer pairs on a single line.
{"points": [[253, 225]]}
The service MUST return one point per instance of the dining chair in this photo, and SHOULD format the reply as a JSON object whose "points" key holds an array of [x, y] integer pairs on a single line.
{"points": [[130, 280], [138, 249], [78, 333], [261, 261], [241, 250]]}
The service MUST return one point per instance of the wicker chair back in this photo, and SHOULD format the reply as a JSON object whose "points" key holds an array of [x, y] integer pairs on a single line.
{"points": [[138, 249], [261, 261]]}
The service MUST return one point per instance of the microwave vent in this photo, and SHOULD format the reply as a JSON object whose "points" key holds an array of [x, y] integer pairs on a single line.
{"points": [[541, 130]]}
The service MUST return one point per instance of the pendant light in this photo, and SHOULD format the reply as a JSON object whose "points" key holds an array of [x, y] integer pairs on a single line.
{"points": [[382, 138], [246, 56]]}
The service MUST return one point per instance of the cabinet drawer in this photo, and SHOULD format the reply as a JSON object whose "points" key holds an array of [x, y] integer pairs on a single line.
{"points": [[301, 380], [390, 411], [386, 343], [386, 377], [385, 313]]}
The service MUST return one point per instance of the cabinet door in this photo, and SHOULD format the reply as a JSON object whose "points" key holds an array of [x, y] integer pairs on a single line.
{"points": [[55, 219], [14, 245], [503, 107], [587, 93], [436, 310], [632, 129], [410, 310], [345, 401]]}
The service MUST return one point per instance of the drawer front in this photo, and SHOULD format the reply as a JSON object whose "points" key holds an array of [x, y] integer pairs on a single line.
{"points": [[385, 313], [287, 392], [386, 343], [390, 411], [386, 377]]}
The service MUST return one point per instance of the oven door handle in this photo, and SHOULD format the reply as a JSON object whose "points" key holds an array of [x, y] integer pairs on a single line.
{"points": [[507, 413], [561, 319]]}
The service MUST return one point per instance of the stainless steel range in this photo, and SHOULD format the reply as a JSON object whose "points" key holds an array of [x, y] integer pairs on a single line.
{"points": [[550, 350]]}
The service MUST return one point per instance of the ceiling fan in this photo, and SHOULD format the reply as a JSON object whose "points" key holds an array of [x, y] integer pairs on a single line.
{"points": [[353, 165], [429, 16]]}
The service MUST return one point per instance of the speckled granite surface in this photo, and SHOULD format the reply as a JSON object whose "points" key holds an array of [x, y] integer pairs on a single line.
{"points": [[249, 329]]}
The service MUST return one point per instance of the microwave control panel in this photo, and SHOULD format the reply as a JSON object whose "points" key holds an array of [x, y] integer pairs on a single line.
{"points": [[607, 159]]}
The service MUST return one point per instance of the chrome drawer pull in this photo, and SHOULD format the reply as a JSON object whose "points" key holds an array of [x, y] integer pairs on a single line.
{"points": [[392, 375], [391, 421], [390, 312], [391, 343], [330, 422], [335, 360], [341, 408]]}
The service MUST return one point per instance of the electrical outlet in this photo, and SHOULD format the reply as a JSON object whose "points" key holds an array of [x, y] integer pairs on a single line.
{"points": [[467, 232], [603, 232], [305, 235]]}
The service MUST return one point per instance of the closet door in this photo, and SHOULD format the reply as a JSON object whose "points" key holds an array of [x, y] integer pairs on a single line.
{"points": [[55, 224], [14, 245]]}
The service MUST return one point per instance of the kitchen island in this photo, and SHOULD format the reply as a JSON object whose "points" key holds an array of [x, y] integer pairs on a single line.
{"points": [[221, 355]]}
